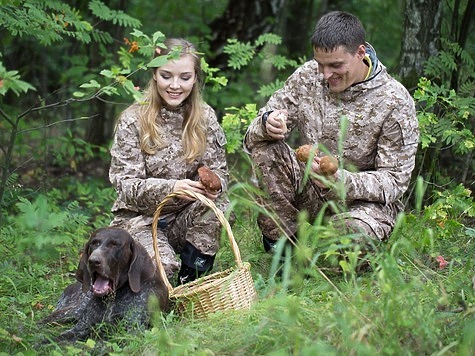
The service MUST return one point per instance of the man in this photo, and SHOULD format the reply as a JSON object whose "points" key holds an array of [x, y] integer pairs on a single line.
{"points": [[344, 83]]}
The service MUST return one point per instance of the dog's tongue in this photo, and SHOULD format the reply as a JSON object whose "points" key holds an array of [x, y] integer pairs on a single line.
{"points": [[101, 286]]}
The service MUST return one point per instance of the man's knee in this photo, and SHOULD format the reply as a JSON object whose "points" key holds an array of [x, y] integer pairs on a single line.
{"points": [[271, 151], [369, 221]]}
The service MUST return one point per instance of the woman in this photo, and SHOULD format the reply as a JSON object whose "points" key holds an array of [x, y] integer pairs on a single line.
{"points": [[158, 148]]}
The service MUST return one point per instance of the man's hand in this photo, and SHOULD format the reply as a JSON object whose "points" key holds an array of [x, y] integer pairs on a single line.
{"points": [[276, 126], [317, 169]]}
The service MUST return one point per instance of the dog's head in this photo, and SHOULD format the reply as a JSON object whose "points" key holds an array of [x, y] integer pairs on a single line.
{"points": [[112, 258]]}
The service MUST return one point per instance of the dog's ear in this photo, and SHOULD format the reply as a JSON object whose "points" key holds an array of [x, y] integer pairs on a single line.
{"points": [[141, 268], [82, 274]]}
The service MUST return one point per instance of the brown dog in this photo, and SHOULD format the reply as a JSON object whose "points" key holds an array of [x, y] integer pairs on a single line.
{"points": [[116, 277]]}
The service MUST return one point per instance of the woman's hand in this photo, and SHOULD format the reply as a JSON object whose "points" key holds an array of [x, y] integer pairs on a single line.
{"points": [[188, 184], [195, 186], [212, 195], [276, 124]]}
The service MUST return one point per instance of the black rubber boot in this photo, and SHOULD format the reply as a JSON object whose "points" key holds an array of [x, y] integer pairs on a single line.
{"points": [[193, 264], [269, 245], [188, 274]]}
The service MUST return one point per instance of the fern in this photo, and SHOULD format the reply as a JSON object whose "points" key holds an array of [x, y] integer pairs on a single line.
{"points": [[468, 88], [116, 17], [46, 21], [281, 62], [269, 38], [240, 54], [444, 117], [12, 180], [28, 21], [55, 227], [445, 62], [51, 20], [102, 37], [268, 89]]}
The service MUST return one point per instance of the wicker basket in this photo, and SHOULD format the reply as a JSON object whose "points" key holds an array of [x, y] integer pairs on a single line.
{"points": [[225, 290]]}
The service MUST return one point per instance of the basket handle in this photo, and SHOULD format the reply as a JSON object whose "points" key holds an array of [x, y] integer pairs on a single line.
{"points": [[210, 204]]}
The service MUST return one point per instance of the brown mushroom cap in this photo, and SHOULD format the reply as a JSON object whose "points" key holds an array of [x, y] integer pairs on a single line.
{"points": [[209, 179], [328, 165], [304, 151]]}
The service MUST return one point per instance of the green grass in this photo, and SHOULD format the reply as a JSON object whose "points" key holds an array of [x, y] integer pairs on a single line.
{"points": [[405, 305]]}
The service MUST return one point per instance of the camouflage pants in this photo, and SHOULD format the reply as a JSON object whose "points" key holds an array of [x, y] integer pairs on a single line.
{"points": [[194, 223], [282, 177]]}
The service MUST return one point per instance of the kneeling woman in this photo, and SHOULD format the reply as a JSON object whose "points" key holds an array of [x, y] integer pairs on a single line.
{"points": [[158, 148]]}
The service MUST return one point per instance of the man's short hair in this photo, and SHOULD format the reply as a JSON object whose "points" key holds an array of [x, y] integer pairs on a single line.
{"points": [[338, 28]]}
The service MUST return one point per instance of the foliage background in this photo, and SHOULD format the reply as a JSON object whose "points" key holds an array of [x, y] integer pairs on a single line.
{"points": [[66, 72]]}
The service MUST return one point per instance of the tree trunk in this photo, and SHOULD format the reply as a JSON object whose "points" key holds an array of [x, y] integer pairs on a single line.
{"points": [[243, 20], [299, 22], [301, 16], [421, 38]]}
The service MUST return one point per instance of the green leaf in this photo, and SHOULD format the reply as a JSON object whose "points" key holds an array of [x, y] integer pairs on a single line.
{"points": [[107, 73], [344, 266], [158, 62], [158, 37], [78, 94], [92, 84]]}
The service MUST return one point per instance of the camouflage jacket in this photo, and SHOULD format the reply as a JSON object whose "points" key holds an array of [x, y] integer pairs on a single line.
{"points": [[381, 136], [141, 180]]}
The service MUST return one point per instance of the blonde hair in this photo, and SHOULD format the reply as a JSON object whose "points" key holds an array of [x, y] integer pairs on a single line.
{"points": [[194, 130]]}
